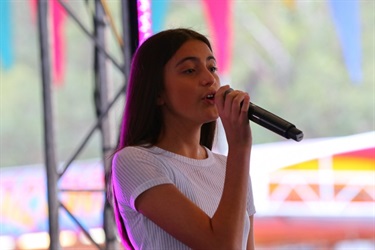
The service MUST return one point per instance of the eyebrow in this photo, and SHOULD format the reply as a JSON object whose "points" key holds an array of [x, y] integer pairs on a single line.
{"points": [[193, 58]]}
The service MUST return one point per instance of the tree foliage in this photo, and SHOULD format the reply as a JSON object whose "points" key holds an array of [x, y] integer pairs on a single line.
{"points": [[289, 59]]}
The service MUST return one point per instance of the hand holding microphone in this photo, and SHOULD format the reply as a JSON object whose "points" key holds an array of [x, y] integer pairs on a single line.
{"points": [[272, 122]]}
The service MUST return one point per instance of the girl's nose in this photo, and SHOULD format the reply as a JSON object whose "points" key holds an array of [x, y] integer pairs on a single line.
{"points": [[208, 78]]}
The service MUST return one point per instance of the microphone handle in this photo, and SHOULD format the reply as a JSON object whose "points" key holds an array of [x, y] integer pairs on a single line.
{"points": [[274, 123]]}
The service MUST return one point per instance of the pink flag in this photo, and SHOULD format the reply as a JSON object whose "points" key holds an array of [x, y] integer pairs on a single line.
{"points": [[57, 16], [219, 19], [33, 8], [58, 41]]}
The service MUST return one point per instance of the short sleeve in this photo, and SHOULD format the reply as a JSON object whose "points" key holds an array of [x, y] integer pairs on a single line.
{"points": [[134, 171]]}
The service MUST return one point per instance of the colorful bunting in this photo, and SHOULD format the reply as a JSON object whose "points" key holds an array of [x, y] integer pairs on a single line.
{"points": [[291, 4], [158, 12], [219, 18], [58, 16], [346, 18], [58, 41], [6, 48], [33, 7]]}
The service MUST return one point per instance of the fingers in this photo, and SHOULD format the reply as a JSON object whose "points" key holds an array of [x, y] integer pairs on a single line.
{"points": [[231, 101], [245, 103], [233, 106], [227, 92], [220, 96]]}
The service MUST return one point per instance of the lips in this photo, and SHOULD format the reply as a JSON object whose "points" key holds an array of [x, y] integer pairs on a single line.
{"points": [[210, 96]]}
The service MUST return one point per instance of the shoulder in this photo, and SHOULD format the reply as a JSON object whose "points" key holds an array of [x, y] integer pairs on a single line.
{"points": [[138, 162], [218, 157], [130, 150], [131, 153], [137, 159], [131, 157]]}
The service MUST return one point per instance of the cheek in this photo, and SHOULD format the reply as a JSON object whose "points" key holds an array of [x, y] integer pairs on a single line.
{"points": [[217, 82], [176, 89], [179, 98]]}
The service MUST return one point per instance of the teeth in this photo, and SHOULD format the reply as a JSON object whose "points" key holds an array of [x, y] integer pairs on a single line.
{"points": [[210, 96]]}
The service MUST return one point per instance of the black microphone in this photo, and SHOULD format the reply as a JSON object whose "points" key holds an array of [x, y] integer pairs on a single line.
{"points": [[272, 122]]}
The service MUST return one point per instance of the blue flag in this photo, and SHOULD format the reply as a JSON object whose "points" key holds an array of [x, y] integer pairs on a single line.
{"points": [[6, 49], [346, 18], [158, 10]]}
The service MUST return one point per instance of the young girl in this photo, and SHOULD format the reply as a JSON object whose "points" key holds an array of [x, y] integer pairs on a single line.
{"points": [[170, 191]]}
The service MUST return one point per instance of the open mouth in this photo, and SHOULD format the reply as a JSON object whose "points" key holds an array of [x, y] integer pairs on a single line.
{"points": [[210, 96]]}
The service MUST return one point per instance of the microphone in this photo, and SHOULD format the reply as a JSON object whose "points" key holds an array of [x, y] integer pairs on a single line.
{"points": [[272, 122]]}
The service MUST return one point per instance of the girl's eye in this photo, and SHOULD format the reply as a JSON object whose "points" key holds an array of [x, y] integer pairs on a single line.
{"points": [[189, 71], [213, 69]]}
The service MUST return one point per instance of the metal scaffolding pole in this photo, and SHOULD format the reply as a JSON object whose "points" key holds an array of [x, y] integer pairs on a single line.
{"points": [[49, 139], [130, 32], [102, 90], [103, 106]]}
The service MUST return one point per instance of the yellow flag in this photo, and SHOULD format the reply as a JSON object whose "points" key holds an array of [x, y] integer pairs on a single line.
{"points": [[291, 4]]}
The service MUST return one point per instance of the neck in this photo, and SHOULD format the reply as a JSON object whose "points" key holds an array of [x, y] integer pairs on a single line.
{"points": [[194, 153], [183, 142]]}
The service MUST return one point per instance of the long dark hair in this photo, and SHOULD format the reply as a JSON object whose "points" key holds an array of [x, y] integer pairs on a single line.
{"points": [[142, 121]]}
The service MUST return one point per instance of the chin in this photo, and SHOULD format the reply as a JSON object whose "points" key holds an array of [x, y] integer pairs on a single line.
{"points": [[213, 118]]}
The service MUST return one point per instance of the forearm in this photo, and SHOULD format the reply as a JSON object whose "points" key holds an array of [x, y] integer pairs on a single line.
{"points": [[250, 238], [228, 221]]}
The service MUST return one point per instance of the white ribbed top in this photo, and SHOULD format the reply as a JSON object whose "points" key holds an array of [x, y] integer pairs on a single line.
{"points": [[136, 169]]}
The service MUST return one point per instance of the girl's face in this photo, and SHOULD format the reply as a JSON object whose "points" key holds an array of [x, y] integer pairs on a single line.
{"points": [[190, 84]]}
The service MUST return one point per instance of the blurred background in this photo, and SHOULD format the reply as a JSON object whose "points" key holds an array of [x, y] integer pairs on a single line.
{"points": [[309, 61]]}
